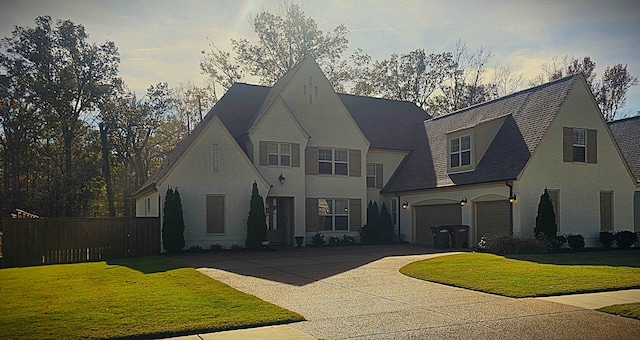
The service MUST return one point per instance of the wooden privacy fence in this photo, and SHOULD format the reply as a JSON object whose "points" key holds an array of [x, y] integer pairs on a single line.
{"points": [[65, 240]]}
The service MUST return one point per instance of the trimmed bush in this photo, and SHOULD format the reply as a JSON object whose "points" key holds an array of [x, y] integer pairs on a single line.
{"points": [[257, 221], [317, 240], [173, 222], [546, 218], [625, 239], [508, 245], [576, 242], [386, 225], [607, 238], [557, 242]]}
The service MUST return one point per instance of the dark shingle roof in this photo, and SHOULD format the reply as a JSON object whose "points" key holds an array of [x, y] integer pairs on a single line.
{"points": [[627, 134], [528, 115]]}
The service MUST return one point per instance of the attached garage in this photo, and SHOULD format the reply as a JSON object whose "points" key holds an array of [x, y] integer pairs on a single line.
{"points": [[428, 216], [492, 219]]}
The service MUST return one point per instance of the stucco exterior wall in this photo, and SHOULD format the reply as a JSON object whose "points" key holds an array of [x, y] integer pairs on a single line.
{"points": [[194, 178], [579, 184], [390, 161], [154, 205]]}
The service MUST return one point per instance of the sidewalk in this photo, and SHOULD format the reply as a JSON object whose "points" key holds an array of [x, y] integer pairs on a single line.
{"points": [[597, 300]]}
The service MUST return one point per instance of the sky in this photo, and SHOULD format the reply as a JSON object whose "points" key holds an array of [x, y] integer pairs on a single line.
{"points": [[161, 41]]}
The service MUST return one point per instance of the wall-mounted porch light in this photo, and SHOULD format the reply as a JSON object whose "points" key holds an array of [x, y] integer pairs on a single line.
{"points": [[281, 179], [512, 198], [405, 205], [463, 201]]}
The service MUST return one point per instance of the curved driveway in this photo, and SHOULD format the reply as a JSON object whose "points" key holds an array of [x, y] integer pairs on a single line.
{"points": [[357, 292]]}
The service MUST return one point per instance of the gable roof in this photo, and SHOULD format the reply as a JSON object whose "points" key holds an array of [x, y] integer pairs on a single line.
{"points": [[528, 115], [626, 132]]}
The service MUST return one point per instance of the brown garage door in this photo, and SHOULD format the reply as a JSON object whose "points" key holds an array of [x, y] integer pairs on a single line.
{"points": [[492, 219], [435, 215]]}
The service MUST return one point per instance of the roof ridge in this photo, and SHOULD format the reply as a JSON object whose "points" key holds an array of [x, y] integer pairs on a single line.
{"points": [[622, 120]]}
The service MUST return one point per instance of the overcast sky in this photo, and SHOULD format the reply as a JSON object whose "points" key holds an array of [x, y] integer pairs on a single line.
{"points": [[161, 40]]}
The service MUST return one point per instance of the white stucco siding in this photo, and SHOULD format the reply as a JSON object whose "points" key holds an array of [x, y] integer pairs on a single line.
{"points": [[579, 184], [390, 161], [278, 125], [194, 177], [473, 193], [148, 205]]}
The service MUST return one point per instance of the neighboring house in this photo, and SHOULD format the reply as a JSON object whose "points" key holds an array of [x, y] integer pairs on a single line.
{"points": [[627, 134], [319, 157]]}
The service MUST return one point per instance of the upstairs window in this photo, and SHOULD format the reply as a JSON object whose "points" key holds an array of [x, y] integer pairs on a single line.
{"points": [[579, 145], [279, 154], [371, 175], [333, 162], [460, 151]]}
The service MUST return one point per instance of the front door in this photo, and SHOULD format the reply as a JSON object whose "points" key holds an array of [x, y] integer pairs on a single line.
{"points": [[280, 214]]}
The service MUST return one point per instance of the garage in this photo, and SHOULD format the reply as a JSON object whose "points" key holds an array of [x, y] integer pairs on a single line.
{"points": [[428, 216], [492, 219]]}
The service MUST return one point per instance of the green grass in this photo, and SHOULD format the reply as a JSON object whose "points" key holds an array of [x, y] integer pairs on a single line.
{"points": [[629, 310], [137, 297], [532, 275]]}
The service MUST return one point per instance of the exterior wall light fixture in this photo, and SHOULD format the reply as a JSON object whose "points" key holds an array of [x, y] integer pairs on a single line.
{"points": [[405, 205], [281, 179], [463, 201], [512, 198]]}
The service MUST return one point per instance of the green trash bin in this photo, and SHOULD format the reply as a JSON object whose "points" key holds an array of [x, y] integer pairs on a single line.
{"points": [[440, 236], [459, 236]]}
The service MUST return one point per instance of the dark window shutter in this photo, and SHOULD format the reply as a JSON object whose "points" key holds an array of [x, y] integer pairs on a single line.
{"points": [[379, 178], [567, 144], [354, 163], [592, 146], [295, 155], [263, 153], [215, 214], [311, 161], [606, 211], [355, 214], [312, 214]]}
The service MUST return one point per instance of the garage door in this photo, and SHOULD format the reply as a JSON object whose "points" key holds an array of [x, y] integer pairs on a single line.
{"points": [[492, 219], [435, 215]]}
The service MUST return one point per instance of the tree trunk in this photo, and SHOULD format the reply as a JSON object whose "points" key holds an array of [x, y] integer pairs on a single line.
{"points": [[106, 168]]}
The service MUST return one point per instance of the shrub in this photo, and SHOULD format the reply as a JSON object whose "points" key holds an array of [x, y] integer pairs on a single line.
{"points": [[546, 218], [215, 247], [173, 222], [348, 239], [195, 249], [557, 242], [625, 239], [256, 223], [576, 242], [371, 232], [334, 241], [386, 225], [235, 247], [508, 245], [317, 240], [607, 238]]}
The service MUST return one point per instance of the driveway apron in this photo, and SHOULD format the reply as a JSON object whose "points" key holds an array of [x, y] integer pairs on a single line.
{"points": [[358, 293]]}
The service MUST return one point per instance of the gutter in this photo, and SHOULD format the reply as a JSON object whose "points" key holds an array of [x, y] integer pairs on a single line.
{"points": [[510, 185]]}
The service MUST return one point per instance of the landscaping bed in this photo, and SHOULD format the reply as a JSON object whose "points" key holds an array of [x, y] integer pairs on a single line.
{"points": [[533, 274], [135, 297]]}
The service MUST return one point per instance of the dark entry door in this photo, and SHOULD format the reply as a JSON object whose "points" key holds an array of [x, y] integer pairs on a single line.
{"points": [[280, 218]]}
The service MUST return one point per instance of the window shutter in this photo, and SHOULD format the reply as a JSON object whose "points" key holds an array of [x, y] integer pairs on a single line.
{"points": [[606, 213], [355, 214], [379, 178], [295, 155], [567, 144], [354, 163], [263, 153], [312, 214], [311, 161], [592, 146], [215, 214]]}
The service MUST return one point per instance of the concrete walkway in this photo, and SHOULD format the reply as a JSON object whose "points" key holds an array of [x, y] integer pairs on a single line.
{"points": [[358, 293]]}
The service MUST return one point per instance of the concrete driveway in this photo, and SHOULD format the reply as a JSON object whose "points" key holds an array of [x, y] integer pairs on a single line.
{"points": [[357, 292]]}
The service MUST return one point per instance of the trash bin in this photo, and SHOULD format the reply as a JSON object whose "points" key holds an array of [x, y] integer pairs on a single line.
{"points": [[459, 236], [440, 236]]}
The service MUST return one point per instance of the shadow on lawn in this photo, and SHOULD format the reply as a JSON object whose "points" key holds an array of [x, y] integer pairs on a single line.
{"points": [[587, 257], [148, 264], [299, 266]]}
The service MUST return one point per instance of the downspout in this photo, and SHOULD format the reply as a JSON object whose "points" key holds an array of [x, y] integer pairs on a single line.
{"points": [[399, 212], [510, 206]]}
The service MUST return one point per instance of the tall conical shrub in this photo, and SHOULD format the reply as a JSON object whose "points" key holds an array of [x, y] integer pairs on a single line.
{"points": [[173, 222], [386, 224], [546, 219], [257, 221]]}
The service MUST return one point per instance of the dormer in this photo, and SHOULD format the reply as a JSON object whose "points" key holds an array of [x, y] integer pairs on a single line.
{"points": [[467, 146]]}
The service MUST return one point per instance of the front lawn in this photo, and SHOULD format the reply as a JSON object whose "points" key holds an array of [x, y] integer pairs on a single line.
{"points": [[532, 274], [629, 310], [136, 297]]}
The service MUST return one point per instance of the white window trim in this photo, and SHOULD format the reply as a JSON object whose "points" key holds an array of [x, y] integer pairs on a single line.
{"points": [[334, 214], [333, 162], [279, 154], [574, 145], [460, 151], [371, 176]]}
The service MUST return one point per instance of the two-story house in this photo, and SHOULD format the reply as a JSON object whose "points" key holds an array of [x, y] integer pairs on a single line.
{"points": [[319, 157]]}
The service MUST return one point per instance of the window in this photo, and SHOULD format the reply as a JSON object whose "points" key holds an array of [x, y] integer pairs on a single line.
{"points": [[216, 159], [333, 214], [394, 211], [460, 151], [215, 214], [147, 205], [333, 162], [279, 154], [579, 145], [371, 175]]}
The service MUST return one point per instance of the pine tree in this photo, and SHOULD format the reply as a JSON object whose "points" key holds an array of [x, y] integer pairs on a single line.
{"points": [[167, 220], [546, 219], [173, 222], [386, 224], [257, 221], [179, 221]]}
